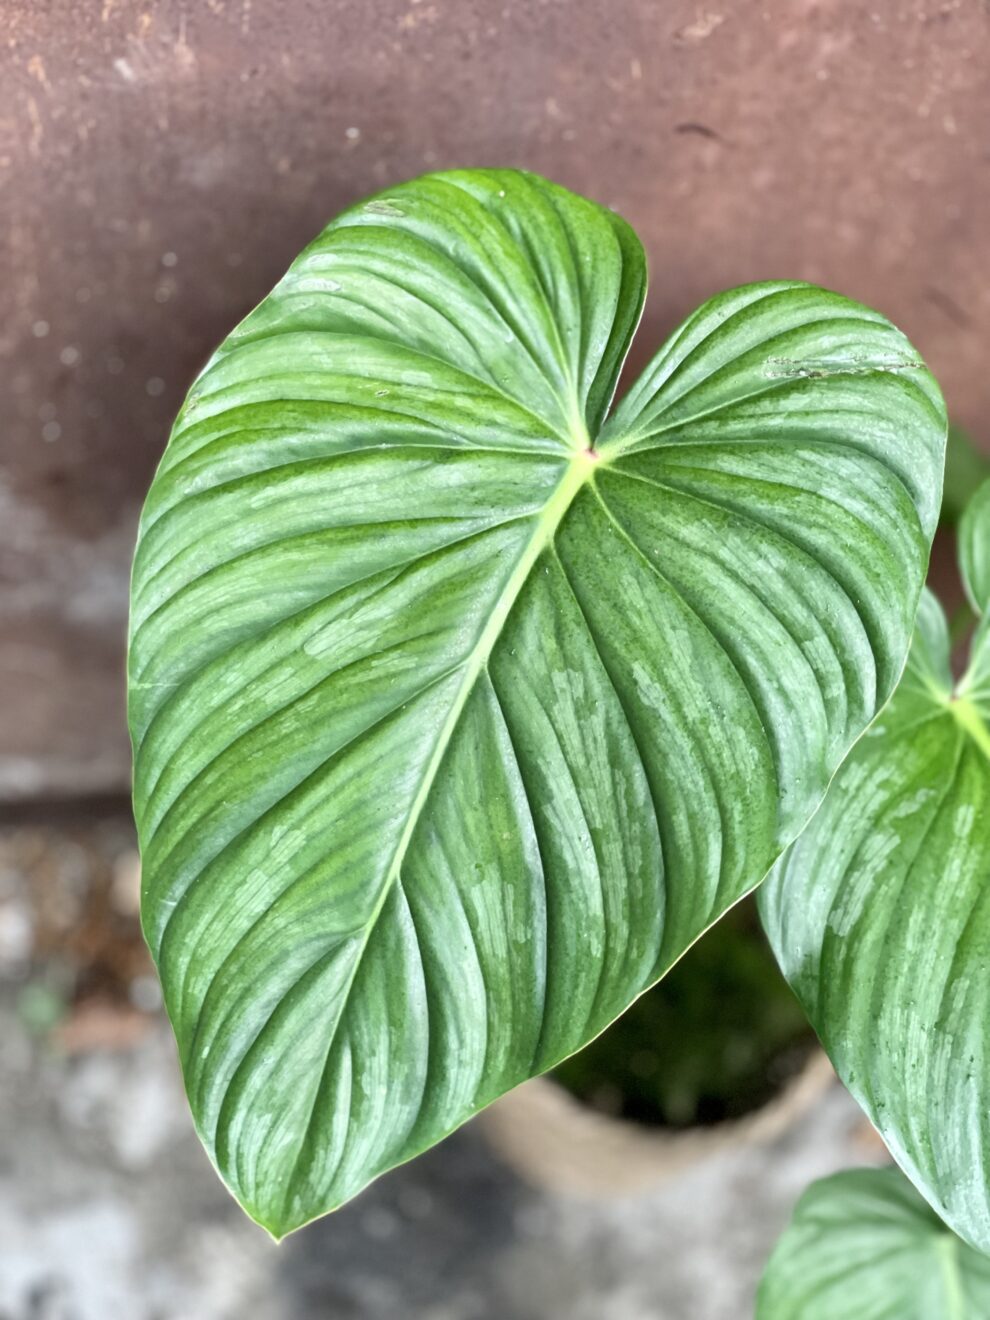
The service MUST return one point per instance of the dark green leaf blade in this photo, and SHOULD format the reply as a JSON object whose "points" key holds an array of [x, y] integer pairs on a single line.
{"points": [[442, 757], [864, 1244]]}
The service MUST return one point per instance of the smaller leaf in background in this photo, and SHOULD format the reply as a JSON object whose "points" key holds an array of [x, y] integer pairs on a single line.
{"points": [[863, 1245], [974, 548], [966, 466], [880, 913]]}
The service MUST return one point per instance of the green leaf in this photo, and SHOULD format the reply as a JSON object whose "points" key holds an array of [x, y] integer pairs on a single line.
{"points": [[880, 918], [966, 466], [459, 711], [863, 1245], [974, 548]]}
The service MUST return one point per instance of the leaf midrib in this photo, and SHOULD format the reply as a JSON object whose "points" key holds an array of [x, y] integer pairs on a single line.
{"points": [[576, 475], [970, 721], [946, 1247]]}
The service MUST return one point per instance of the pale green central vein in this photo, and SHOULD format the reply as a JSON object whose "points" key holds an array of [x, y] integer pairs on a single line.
{"points": [[578, 471], [947, 1250], [971, 721]]}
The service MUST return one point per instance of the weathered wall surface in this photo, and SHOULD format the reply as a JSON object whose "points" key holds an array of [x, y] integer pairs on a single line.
{"points": [[161, 162]]}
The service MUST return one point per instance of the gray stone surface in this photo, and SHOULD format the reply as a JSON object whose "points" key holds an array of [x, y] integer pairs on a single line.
{"points": [[109, 1210]]}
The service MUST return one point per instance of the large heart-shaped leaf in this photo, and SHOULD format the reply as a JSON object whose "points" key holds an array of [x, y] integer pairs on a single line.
{"points": [[863, 1245], [880, 915], [459, 711]]}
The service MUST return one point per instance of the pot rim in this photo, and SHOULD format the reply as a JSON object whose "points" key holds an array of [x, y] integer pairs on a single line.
{"points": [[557, 1143]]}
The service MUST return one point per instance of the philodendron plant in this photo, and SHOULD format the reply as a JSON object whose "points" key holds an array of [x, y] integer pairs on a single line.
{"points": [[463, 702]]}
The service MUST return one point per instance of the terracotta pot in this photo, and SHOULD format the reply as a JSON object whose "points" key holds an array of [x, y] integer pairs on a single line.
{"points": [[558, 1144]]}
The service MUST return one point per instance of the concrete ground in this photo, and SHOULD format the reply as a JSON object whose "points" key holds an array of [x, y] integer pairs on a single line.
{"points": [[109, 1210]]}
